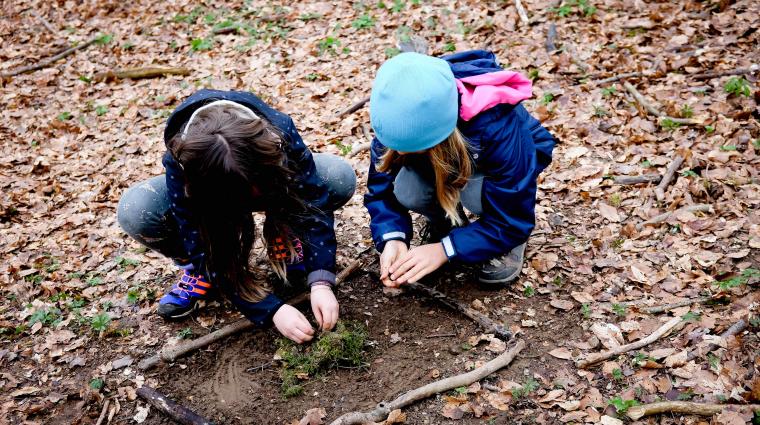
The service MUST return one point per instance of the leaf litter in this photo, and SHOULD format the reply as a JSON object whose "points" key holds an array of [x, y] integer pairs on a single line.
{"points": [[78, 296]]}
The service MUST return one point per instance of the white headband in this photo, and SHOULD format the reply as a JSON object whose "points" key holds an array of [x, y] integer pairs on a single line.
{"points": [[247, 112]]}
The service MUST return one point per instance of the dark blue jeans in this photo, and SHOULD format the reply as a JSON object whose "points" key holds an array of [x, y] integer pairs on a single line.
{"points": [[144, 210]]}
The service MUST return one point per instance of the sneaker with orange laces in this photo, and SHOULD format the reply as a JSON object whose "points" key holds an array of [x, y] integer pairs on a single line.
{"points": [[184, 296]]}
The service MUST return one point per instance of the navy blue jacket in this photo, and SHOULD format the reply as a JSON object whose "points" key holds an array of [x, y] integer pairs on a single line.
{"points": [[315, 229], [510, 148]]}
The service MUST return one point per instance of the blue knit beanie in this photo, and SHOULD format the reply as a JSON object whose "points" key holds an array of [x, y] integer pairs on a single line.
{"points": [[414, 103]]}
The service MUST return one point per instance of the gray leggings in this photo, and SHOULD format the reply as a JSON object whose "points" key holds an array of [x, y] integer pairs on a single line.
{"points": [[417, 194], [144, 209]]}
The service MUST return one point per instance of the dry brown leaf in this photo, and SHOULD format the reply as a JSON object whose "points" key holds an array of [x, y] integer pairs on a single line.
{"points": [[561, 353], [314, 416]]}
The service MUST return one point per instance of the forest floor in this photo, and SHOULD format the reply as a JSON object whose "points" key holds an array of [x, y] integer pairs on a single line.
{"points": [[78, 297]]}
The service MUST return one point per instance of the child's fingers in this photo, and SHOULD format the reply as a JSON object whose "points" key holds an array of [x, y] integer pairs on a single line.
{"points": [[422, 273], [409, 274], [300, 337], [403, 268], [400, 261], [318, 316]]}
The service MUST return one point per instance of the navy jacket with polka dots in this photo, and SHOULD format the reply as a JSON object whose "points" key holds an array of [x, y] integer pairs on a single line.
{"points": [[315, 229]]}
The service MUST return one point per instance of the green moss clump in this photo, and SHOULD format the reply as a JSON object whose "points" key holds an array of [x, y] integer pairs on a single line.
{"points": [[342, 347]]}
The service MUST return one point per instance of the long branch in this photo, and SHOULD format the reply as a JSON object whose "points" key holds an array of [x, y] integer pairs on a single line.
{"points": [[659, 191], [703, 409], [664, 216], [48, 61], [383, 409], [171, 408], [659, 333], [652, 109]]}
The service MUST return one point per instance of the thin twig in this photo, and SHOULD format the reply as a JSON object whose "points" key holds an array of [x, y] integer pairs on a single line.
{"points": [[48, 61], [667, 307], [659, 191], [653, 110], [689, 407], [733, 330], [644, 178], [259, 367], [44, 22], [521, 12], [353, 108], [617, 78], [441, 335], [659, 333], [662, 217], [171, 408], [551, 35], [715, 74], [138, 73], [382, 410], [103, 412]]}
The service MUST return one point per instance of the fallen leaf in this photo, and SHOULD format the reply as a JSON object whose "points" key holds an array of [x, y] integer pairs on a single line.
{"points": [[395, 417], [561, 304], [609, 335], [141, 414], [609, 420], [609, 212], [561, 353]]}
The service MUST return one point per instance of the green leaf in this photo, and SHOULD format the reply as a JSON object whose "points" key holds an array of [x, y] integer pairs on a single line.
{"points": [[622, 405], [64, 116], [96, 383], [199, 44], [104, 39], [738, 86], [363, 22], [100, 322], [100, 110]]}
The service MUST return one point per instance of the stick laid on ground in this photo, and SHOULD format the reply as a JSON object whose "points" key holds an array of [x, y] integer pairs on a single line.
{"points": [[702, 409], [715, 74], [383, 409], [659, 191], [137, 73], [171, 408], [644, 178], [664, 216], [653, 110], [484, 321], [667, 307], [733, 330], [521, 11], [172, 353], [48, 61], [659, 333]]}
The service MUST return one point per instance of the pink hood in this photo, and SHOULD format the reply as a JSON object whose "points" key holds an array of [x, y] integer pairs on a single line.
{"points": [[484, 91]]}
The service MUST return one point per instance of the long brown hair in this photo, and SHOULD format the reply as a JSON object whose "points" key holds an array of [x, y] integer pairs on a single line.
{"points": [[452, 167], [235, 164]]}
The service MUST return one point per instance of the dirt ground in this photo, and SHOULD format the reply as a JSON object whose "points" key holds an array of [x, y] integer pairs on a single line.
{"points": [[78, 297]]}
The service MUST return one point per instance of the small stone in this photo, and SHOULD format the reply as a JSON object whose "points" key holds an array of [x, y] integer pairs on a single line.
{"points": [[122, 362]]}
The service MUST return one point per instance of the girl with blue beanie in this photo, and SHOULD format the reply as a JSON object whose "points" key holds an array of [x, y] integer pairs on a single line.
{"points": [[451, 133], [228, 155]]}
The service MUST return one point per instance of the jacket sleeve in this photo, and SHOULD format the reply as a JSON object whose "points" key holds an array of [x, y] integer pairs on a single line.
{"points": [[259, 313], [509, 194], [193, 258], [389, 220], [316, 226]]}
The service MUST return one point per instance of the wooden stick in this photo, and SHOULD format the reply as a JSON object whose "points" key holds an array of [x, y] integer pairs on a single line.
{"points": [[103, 412], [715, 74], [48, 61], [484, 321], [659, 333], [521, 12], [689, 407], [359, 149], [617, 78], [44, 22], [644, 178], [662, 217], [172, 353], [137, 73], [667, 307], [551, 35], [383, 409], [659, 191], [171, 408], [653, 110], [353, 108], [733, 330]]}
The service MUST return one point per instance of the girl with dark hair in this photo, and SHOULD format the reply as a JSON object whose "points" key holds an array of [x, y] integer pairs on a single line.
{"points": [[229, 155], [452, 133]]}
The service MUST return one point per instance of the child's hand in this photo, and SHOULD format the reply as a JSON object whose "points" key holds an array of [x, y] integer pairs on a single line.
{"points": [[325, 306], [418, 263], [391, 253], [292, 324]]}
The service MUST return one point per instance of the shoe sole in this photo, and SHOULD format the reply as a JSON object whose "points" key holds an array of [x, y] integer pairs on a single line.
{"points": [[505, 280], [181, 315]]}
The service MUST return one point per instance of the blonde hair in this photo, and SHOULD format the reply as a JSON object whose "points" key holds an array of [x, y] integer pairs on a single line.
{"points": [[452, 167]]}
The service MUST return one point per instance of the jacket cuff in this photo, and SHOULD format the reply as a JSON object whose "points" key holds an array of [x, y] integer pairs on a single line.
{"points": [[273, 303], [448, 247], [390, 236], [321, 276]]}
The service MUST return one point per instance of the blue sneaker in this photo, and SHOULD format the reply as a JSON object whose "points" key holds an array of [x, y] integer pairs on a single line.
{"points": [[183, 298]]}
